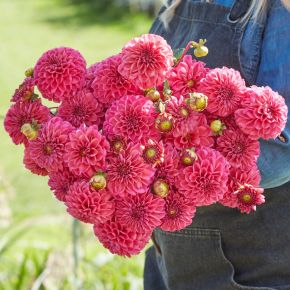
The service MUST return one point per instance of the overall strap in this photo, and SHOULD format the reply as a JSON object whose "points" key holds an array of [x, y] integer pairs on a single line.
{"points": [[239, 9]]}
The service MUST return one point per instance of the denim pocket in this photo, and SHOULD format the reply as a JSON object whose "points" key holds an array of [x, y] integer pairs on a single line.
{"points": [[193, 258]]}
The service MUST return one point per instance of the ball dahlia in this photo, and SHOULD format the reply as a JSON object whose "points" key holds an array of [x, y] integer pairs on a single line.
{"points": [[186, 76], [86, 151], [131, 117], [81, 109], [25, 91], [48, 149], [60, 73], [264, 113], [109, 85], [128, 173], [146, 60], [24, 113], [225, 90], [31, 165], [89, 205], [179, 212], [141, 212], [119, 239], [239, 149], [205, 182]]}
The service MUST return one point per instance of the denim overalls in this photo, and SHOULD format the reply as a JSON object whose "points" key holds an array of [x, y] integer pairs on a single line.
{"points": [[222, 249]]}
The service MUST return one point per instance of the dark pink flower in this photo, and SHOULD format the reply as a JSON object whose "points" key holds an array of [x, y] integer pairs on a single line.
{"points": [[128, 173], [205, 182], [47, 150], [119, 239], [86, 151], [89, 205], [60, 73], [264, 113], [90, 76], [21, 113], [179, 212], [225, 90], [109, 85], [186, 76], [25, 91], [239, 149], [141, 212], [131, 117], [153, 152], [31, 165], [83, 108], [146, 60]]}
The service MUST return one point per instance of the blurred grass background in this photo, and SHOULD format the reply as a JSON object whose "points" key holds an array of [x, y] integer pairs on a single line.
{"points": [[36, 249]]}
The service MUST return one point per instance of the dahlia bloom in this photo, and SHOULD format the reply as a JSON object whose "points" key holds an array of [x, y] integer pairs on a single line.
{"points": [[205, 182], [81, 109], [21, 113], [131, 117], [89, 205], [153, 152], [141, 212], [60, 73], [146, 61], [238, 177], [86, 150], [31, 165], [186, 76], [60, 181], [90, 76], [109, 85], [119, 239], [128, 173], [264, 113], [48, 149], [25, 91], [179, 212], [225, 90], [249, 197], [239, 149]]}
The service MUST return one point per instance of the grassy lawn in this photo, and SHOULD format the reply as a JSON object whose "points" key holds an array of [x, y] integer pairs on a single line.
{"points": [[27, 29]]}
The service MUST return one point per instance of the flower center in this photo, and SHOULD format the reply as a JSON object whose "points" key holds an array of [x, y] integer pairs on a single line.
{"points": [[146, 56], [239, 148], [47, 149], [191, 83], [246, 197], [132, 122], [138, 212], [172, 212], [123, 169], [226, 93], [79, 111]]}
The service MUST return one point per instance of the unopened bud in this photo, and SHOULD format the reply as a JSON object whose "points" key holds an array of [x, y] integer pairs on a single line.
{"points": [[217, 127], [161, 188], [164, 124], [29, 72], [153, 95], [197, 102], [188, 157], [98, 181], [29, 131]]}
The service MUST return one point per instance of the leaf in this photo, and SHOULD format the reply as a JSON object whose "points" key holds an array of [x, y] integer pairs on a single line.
{"points": [[22, 273], [178, 53]]}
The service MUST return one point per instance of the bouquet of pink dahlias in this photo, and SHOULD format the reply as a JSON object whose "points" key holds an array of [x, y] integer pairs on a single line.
{"points": [[140, 139]]}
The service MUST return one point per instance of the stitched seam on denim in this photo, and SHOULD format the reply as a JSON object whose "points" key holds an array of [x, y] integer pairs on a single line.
{"points": [[192, 232]]}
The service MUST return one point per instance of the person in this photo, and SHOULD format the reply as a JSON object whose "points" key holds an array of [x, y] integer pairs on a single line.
{"points": [[223, 249]]}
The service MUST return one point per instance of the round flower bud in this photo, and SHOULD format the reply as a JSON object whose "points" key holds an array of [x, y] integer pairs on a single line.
{"points": [[164, 124], [98, 181], [29, 131], [29, 72], [201, 51], [161, 188], [197, 102], [188, 157], [217, 127], [153, 95]]}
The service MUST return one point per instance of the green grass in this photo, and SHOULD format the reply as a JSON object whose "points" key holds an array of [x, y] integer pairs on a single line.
{"points": [[27, 29]]}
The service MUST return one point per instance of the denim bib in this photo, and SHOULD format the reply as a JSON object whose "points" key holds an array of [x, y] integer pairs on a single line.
{"points": [[222, 249]]}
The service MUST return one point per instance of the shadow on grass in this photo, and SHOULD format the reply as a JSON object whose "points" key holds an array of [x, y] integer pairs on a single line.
{"points": [[89, 12]]}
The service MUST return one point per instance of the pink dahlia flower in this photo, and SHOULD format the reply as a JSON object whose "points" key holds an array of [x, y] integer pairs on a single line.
{"points": [[141, 212], [131, 117], [205, 182], [47, 150], [186, 76], [90, 76], [22, 113], [60, 73], [25, 91], [60, 181], [128, 173], [81, 109], [146, 61], [31, 165], [119, 239], [109, 85], [264, 113], [237, 178], [179, 212], [153, 152], [239, 149], [86, 151], [249, 197], [225, 90], [89, 205]]}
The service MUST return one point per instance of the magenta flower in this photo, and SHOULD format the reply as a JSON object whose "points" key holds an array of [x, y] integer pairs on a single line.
{"points": [[146, 61], [31, 165], [60, 73], [25, 91], [86, 151]]}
